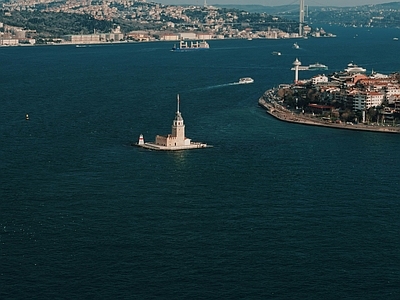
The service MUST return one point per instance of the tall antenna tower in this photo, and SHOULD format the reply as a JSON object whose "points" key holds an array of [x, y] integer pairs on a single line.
{"points": [[301, 17]]}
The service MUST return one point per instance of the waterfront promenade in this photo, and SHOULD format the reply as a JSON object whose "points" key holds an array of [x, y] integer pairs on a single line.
{"points": [[279, 112]]}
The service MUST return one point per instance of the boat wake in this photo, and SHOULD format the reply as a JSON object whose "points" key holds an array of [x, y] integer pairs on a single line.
{"points": [[211, 87]]}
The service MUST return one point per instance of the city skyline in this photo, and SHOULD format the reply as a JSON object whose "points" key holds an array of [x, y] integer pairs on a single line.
{"points": [[275, 2]]}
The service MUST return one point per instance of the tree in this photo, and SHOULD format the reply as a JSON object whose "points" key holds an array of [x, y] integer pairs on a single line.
{"points": [[371, 115], [347, 116]]}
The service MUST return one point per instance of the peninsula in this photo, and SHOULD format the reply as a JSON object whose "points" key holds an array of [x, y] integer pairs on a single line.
{"points": [[174, 141], [349, 99]]}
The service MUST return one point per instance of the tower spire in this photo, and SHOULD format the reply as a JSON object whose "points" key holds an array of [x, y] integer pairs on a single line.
{"points": [[301, 17], [296, 65], [177, 104]]}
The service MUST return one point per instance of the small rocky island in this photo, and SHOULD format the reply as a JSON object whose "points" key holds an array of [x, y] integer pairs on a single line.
{"points": [[349, 99], [174, 141]]}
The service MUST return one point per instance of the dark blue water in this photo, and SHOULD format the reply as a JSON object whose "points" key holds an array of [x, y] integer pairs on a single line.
{"points": [[273, 210]]}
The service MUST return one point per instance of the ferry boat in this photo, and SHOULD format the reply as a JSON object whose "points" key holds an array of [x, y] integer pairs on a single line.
{"points": [[185, 46], [352, 68], [317, 66], [246, 80]]}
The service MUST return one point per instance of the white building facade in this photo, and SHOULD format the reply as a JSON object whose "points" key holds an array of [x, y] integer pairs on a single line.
{"points": [[365, 100], [319, 79], [392, 91]]}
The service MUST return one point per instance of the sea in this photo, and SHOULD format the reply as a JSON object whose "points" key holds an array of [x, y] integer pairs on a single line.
{"points": [[272, 211]]}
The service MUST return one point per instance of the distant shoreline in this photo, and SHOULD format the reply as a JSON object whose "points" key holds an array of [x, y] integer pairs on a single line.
{"points": [[279, 112], [140, 42]]}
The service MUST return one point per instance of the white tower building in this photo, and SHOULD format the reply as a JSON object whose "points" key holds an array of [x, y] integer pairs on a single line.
{"points": [[296, 65], [141, 140], [176, 140], [177, 137], [178, 127]]}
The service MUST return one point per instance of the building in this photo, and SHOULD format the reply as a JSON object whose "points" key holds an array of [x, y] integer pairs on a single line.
{"points": [[319, 79], [82, 38], [364, 100], [320, 109], [204, 36], [176, 140], [169, 37], [111, 37], [187, 36], [296, 65], [392, 92], [177, 137], [8, 42]]}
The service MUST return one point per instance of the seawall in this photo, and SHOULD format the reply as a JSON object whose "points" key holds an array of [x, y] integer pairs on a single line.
{"points": [[281, 113]]}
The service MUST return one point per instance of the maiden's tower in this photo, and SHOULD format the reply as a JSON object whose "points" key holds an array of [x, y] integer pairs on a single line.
{"points": [[174, 141]]}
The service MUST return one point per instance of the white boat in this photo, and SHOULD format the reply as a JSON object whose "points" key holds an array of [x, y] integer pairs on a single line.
{"points": [[352, 68], [296, 46], [276, 53], [317, 66], [246, 80]]}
